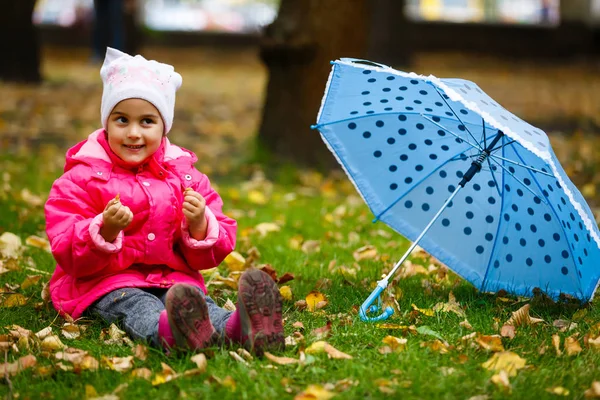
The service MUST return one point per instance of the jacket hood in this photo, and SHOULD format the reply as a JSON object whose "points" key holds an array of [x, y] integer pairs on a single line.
{"points": [[91, 152]]}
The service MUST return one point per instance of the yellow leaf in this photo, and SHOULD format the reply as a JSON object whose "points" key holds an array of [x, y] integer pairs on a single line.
{"points": [[558, 390], [492, 343], [506, 360], [314, 298], [39, 242], [90, 391], [235, 261], [424, 311], [315, 392], [30, 280], [52, 343], [316, 347], [451, 306], [436, 345], [256, 197], [14, 300], [556, 344], [267, 227], [396, 344], [286, 292]]}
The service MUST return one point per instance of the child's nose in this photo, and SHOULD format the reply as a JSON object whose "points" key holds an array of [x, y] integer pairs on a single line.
{"points": [[134, 132]]}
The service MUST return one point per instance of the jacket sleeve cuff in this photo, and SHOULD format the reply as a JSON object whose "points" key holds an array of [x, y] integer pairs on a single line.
{"points": [[212, 232], [99, 241]]}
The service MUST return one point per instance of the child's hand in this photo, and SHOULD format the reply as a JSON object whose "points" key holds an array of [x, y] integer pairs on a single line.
{"points": [[115, 218], [194, 207]]}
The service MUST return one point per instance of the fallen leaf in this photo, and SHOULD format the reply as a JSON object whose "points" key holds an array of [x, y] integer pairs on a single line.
{"points": [[556, 344], [14, 300], [332, 352], [368, 252], [10, 245], [436, 345], [44, 333], [200, 361], [564, 325], [286, 293], [501, 380], [285, 278], [558, 390], [238, 358], [594, 391], [322, 332], [506, 360], [70, 331], [280, 360], [21, 364], [298, 325], [235, 261], [30, 280], [52, 343], [142, 373], [594, 343], [314, 298], [140, 352], [257, 197], [424, 311], [572, 346], [301, 305], [396, 345], [451, 306], [507, 331], [119, 364], [521, 317], [265, 228], [38, 242], [315, 392], [245, 354], [465, 324], [229, 306], [492, 343]]}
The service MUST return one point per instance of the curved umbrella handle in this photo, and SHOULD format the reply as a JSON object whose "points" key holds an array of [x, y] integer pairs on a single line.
{"points": [[366, 306]]}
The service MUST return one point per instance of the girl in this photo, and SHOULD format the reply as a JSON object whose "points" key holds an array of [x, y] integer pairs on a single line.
{"points": [[131, 222]]}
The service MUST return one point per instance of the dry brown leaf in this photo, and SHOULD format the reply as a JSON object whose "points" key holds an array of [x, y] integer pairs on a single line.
{"points": [[265, 228], [301, 305], [71, 355], [142, 373], [507, 331], [521, 317], [280, 360], [572, 346], [71, 331], [501, 380], [564, 325], [594, 343], [436, 345], [332, 352], [313, 299], [10, 245], [119, 364], [245, 354], [451, 306], [298, 325], [311, 246], [238, 358], [322, 332], [368, 252], [556, 344], [47, 331], [594, 391], [21, 364], [229, 306], [140, 352], [465, 324], [506, 360], [200, 361]]}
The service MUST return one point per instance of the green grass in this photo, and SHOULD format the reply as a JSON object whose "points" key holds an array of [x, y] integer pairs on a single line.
{"points": [[417, 372]]}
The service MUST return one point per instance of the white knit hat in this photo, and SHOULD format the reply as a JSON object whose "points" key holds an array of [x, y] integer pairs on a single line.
{"points": [[127, 77]]}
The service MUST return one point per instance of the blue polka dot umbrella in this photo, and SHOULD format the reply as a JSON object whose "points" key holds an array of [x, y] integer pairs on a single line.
{"points": [[449, 168]]}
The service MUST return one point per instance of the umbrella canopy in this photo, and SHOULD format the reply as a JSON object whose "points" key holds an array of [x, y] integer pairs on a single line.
{"points": [[406, 141]]}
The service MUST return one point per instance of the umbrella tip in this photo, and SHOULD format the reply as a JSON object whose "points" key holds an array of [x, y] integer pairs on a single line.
{"points": [[331, 62], [314, 126]]}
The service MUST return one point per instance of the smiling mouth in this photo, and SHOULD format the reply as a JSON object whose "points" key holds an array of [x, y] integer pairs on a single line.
{"points": [[137, 147]]}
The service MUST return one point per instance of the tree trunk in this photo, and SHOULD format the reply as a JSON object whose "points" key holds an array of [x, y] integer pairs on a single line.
{"points": [[19, 42], [297, 48]]}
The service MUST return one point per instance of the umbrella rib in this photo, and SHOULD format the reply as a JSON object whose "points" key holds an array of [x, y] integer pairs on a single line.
{"points": [[453, 158], [521, 182], [478, 147], [494, 177], [453, 112], [522, 165], [558, 219]]}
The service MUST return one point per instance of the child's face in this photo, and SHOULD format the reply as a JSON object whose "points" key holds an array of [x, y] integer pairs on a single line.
{"points": [[135, 130]]}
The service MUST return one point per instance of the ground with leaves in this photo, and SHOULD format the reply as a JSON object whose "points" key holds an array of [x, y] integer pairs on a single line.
{"points": [[314, 235]]}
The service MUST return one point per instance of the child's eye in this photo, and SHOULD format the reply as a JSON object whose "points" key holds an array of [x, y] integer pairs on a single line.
{"points": [[147, 121], [121, 120]]}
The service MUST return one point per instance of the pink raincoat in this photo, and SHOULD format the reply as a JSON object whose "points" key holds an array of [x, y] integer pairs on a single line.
{"points": [[155, 250]]}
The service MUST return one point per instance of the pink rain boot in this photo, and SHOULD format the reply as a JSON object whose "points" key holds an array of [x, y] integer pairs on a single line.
{"points": [[188, 318]]}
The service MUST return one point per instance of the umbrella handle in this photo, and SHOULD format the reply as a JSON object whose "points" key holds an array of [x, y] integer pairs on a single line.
{"points": [[366, 306]]}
